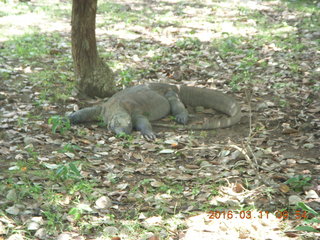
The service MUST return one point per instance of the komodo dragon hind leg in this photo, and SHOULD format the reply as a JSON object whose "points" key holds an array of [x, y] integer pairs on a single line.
{"points": [[142, 124], [177, 108]]}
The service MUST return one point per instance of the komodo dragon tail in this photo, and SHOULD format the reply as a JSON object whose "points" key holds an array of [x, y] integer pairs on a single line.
{"points": [[85, 115], [209, 98]]}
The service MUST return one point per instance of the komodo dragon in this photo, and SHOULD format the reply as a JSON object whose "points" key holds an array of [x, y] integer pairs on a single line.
{"points": [[136, 106]]}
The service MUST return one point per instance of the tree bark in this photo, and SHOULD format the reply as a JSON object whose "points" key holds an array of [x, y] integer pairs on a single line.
{"points": [[93, 76]]}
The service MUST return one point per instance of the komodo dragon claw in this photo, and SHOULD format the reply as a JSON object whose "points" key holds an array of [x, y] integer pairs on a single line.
{"points": [[150, 136]]}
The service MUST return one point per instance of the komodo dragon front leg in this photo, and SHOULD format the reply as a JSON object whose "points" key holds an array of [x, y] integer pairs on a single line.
{"points": [[177, 108], [142, 124]]}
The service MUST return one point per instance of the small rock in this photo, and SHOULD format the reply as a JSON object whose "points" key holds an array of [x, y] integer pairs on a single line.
{"points": [[2, 97], [224, 153], [112, 139], [317, 34], [110, 230], [152, 221], [171, 142], [232, 203], [13, 210], [64, 236], [308, 35], [294, 199], [15, 236], [291, 161], [18, 157], [228, 202], [236, 155], [214, 202], [30, 140], [283, 163], [11, 195], [312, 194], [205, 164], [51, 165], [308, 145], [166, 151], [134, 196], [70, 155], [303, 161], [41, 233], [291, 170], [33, 226], [103, 202], [156, 183], [142, 216], [261, 106], [101, 142], [122, 186]]}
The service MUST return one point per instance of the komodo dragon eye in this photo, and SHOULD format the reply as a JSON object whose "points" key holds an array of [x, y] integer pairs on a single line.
{"points": [[120, 123]]}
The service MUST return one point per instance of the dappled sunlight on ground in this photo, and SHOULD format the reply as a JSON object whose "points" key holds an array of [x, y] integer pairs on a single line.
{"points": [[22, 23]]}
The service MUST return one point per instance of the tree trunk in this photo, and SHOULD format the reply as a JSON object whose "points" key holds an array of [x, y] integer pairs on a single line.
{"points": [[94, 77]]}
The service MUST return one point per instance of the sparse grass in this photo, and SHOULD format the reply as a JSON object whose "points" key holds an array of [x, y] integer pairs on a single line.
{"points": [[27, 47], [189, 44], [70, 148], [119, 13], [59, 124], [55, 11], [297, 183], [54, 220], [56, 87], [307, 6], [27, 190], [228, 45], [33, 52], [126, 77], [69, 171]]}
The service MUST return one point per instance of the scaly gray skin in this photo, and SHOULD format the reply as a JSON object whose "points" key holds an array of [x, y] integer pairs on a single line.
{"points": [[135, 107]]}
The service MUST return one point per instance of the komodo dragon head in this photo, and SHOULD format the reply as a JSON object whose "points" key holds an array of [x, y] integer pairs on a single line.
{"points": [[120, 123]]}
